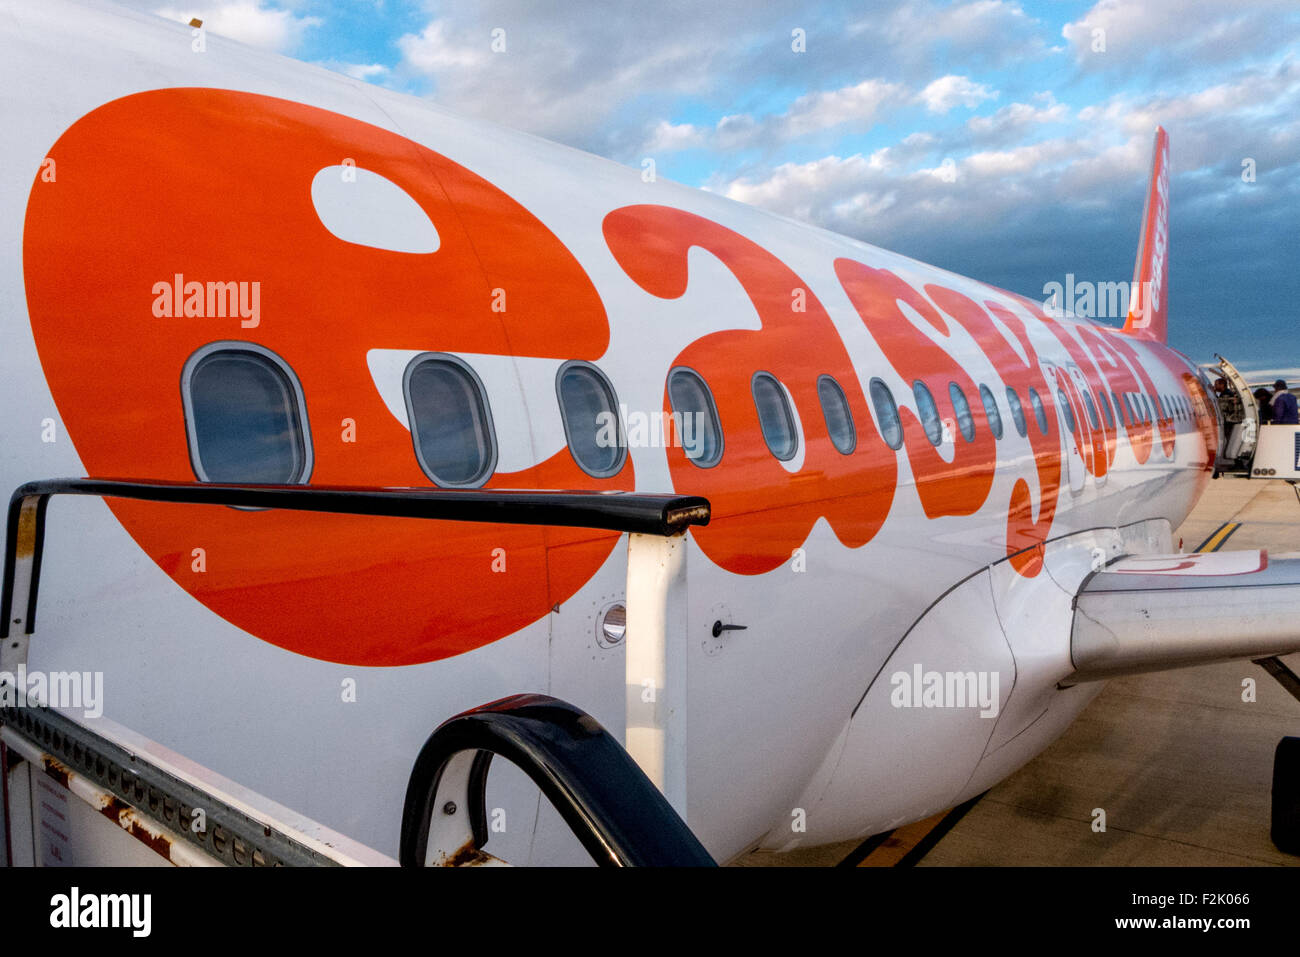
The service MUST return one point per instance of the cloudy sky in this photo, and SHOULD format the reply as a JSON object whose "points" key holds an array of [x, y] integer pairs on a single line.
{"points": [[1004, 140]]}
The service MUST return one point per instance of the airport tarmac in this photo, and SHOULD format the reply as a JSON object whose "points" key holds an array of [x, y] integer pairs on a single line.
{"points": [[1179, 762]]}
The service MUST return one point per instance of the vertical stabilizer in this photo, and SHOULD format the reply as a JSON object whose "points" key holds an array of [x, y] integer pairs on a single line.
{"points": [[1148, 296]]}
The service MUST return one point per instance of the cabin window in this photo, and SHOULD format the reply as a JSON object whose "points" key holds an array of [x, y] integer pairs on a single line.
{"points": [[1092, 410], [839, 419], [929, 413], [1147, 403], [1119, 408], [1040, 413], [774, 416], [1105, 410], [689, 395], [891, 430], [1064, 403], [991, 411], [589, 410], [245, 416], [965, 421], [451, 422], [1017, 412]]}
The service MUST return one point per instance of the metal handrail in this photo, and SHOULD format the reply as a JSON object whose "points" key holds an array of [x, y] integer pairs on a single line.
{"points": [[614, 809], [634, 512]]}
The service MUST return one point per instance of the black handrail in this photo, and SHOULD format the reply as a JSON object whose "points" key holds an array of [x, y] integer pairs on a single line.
{"points": [[617, 813], [652, 514]]}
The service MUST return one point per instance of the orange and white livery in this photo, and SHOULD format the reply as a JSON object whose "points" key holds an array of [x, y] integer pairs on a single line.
{"points": [[228, 267]]}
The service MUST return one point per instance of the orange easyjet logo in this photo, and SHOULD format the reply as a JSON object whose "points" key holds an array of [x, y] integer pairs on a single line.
{"points": [[185, 216]]}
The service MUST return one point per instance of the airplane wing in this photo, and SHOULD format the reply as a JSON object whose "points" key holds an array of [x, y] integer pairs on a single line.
{"points": [[1158, 612]]}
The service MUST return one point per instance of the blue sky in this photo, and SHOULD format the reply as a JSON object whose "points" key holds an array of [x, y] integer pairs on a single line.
{"points": [[1008, 141]]}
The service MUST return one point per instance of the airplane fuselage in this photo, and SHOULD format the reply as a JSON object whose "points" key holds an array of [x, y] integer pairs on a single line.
{"points": [[185, 221]]}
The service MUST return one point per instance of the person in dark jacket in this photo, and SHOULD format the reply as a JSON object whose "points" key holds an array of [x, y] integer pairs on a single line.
{"points": [[1285, 409], [1264, 399]]}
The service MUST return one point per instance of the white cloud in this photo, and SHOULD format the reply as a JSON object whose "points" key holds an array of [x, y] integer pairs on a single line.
{"points": [[247, 21], [432, 51], [668, 137], [947, 92], [1176, 35], [1015, 119], [364, 71], [859, 105], [983, 31]]}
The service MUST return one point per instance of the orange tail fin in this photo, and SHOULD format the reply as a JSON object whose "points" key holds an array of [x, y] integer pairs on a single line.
{"points": [[1148, 297]]}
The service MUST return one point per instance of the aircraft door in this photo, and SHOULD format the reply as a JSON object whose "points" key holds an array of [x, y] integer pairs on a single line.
{"points": [[1092, 426], [1068, 422], [1240, 435]]}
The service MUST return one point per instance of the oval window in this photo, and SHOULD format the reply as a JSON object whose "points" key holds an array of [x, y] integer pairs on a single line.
{"points": [[928, 411], [774, 416], [451, 423], [702, 435], [965, 421], [1092, 410], [589, 410], [1105, 410], [1017, 412], [839, 419], [1040, 413], [891, 430], [245, 416], [991, 411]]}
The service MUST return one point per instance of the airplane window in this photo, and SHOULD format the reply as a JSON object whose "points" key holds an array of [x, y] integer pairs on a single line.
{"points": [[928, 411], [451, 423], [1064, 403], [689, 395], [1147, 403], [589, 410], [1119, 408], [891, 430], [1105, 409], [245, 416], [965, 421], [1092, 410], [1017, 412], [1040, 413], [774, 416], [839, 420], [991, 411]]}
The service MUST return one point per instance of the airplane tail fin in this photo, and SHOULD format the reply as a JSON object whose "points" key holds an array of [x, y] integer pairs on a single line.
{"points": [[1148, 296]]}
